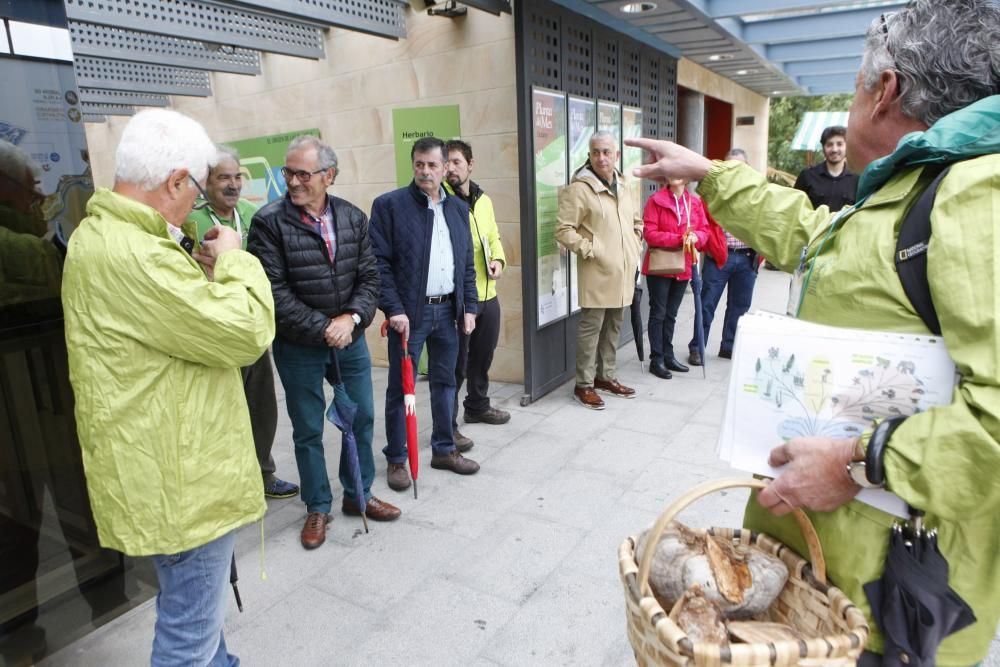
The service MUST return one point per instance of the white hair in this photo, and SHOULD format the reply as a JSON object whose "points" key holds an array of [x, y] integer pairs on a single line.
{"points": [[13, 161], [157, 142]]}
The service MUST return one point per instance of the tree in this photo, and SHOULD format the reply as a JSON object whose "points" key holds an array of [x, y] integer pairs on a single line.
{"points": [[785, 116]]}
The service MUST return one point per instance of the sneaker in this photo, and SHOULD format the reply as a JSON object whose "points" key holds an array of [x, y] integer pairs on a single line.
{"points": [[462, 443], [398, 478], [614, 387], [490, 415], [454, 462], [280, 489]]}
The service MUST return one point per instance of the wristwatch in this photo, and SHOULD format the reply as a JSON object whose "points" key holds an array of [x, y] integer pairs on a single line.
{"points": [[356, 319], [869, 473]]}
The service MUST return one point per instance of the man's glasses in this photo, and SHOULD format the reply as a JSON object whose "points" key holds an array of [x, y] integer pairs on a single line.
{"points": [[204, 195], [884, 24], [303, 176]]}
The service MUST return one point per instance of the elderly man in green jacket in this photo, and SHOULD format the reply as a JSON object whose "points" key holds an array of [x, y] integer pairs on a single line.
{"points": [[927, 95], [157, 328]]}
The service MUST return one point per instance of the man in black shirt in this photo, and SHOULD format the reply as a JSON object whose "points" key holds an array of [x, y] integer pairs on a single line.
{"points": [[830, 182]]}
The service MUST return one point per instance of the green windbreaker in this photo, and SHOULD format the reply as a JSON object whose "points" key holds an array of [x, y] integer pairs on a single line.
{"points": [[154, 351], [945, 460]]}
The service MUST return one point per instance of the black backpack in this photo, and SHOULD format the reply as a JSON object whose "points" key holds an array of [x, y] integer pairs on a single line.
{"points": [[911, 254]]}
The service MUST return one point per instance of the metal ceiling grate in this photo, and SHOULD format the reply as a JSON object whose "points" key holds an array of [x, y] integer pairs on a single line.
{"points": [[106, 109], [91, 39], [101, 96], [380, 17], [204, 21], [140, 77]]}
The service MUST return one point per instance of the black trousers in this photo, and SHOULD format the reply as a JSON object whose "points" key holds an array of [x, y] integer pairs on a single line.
{"points": [[258, 386], [475, 356], [665, 296]]}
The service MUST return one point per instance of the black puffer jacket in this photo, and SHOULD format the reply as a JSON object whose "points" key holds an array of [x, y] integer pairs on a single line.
{"points": [[307, 289]]}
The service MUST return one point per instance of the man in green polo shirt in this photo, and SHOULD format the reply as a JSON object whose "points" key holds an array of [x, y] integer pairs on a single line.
{"points": [[223, 187]]}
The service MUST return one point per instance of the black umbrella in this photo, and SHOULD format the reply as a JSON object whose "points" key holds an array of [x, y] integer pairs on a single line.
{"points": [[912, 602], [699, 329], [232, 580], [341, 414], [636, 312]]}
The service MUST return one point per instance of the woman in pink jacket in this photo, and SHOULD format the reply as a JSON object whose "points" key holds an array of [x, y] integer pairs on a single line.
{"points": [[672, 217]]}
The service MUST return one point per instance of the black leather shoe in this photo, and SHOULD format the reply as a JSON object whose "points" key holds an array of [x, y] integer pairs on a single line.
{"points": [[725, 354], [694, 358], [660, 371], [676, 366]]}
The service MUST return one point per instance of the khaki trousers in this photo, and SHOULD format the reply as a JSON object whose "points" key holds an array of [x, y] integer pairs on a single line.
{"points": [[596, 344]]}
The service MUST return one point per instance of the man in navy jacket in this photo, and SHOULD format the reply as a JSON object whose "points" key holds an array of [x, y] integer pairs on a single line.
{"points": [[423, 246]]}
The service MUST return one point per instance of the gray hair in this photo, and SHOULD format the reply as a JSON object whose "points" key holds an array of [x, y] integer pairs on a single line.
{"points": [[737, 153], [944, 53], [603, 134], [324, 154], [223, 151], [156, 142], [14, 161]]}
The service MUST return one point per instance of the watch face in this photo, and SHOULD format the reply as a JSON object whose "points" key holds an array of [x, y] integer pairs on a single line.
{"points": [[859, 475]]}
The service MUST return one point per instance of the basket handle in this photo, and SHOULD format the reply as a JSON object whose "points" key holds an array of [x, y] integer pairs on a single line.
{"points": [[679, 504]]}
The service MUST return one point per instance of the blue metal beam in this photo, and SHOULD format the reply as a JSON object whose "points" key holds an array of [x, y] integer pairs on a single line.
{"points": [[828, 66], [839, 47], [842, 82], [592, 12], [726, 8], [832, 88], [851, 23]]}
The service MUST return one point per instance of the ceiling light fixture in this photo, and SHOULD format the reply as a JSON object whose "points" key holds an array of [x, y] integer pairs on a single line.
{"points": [[637, 7], [721, 56]]}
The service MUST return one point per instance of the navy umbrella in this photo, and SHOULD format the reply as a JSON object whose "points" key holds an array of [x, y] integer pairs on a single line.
{"points": [[699, 327], [341, 414], [637, 326], [912, 602]]}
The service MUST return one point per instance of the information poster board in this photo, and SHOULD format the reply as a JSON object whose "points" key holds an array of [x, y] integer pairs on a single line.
{"points": [[411, 124], [632, 157], [609, 119], [261, 160], [549, 147], [582, 125]]}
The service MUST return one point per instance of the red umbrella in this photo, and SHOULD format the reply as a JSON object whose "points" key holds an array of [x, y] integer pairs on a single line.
{"points": [[410, 408]]}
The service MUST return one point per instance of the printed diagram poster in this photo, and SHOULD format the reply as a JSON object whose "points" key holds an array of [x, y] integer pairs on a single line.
{"points": [[550, 156], [609, 119], [632, 157], [261, 160], [411, 124], [793, 379], [582, 125]]}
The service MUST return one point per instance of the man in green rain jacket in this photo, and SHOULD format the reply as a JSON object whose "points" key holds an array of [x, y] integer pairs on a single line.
{"points": [[155, 345], [926, 95]]}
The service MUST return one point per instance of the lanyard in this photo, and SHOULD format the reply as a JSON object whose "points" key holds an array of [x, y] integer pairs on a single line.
{"points": [[801, 275], [236, 219], [683, 204]]}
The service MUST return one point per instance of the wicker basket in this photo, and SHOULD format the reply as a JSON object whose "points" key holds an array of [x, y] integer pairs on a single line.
{"points": [[835, 628]]}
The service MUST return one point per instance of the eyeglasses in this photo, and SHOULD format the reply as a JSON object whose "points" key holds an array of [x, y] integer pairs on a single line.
{"points": [[303, 176], [204, 195], [884, 24]]}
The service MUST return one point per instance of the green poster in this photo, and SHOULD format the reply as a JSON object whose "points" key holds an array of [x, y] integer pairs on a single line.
{"points": [[632, 157], [582, 125], [609, 119], [550, 155], [261, 159], [408, 125]]}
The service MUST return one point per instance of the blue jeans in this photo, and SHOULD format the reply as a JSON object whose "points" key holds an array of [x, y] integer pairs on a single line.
{"points": [[437, 328], [303, 370], [739, 272], [191, 606], [665, 296]]}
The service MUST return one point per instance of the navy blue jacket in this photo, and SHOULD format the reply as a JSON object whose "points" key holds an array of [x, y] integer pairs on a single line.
{"points": [[401, 227]]}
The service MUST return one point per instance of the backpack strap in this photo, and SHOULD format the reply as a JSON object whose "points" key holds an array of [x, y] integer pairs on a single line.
{"points": [[911, 254]]}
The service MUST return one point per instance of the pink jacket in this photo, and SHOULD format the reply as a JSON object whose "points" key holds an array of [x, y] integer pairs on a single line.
{"points": [[663, 226]]}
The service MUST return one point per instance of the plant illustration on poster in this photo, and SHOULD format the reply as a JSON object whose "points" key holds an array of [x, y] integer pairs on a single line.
{"points": [[609, 119], [550, 155], [582, 125], [261, 160], [411, 124]]}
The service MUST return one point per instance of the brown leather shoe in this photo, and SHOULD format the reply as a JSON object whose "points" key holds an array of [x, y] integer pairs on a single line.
{"points": [[454, 462], [615, 388], [375, 509], [462, 443], [588, 397], [398, 478], [314, 529]]}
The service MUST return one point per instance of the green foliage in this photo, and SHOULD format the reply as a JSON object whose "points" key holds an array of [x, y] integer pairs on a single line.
{"points": [[785, 116]]}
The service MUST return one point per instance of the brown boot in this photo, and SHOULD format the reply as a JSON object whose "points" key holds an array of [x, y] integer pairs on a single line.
{"points": [[589, 398], [398, 478], [454, 462], [615, 388], [314, 529], [462, 443]]}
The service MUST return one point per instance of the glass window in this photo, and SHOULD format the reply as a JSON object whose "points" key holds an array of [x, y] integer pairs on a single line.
{"points": [[40, 41]]}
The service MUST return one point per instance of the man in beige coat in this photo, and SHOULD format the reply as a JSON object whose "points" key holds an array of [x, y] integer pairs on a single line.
{"points": [[596, 221]]}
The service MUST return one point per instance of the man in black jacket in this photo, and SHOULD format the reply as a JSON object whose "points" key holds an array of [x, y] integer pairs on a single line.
{"points": [[424, 251], [315, 250]]}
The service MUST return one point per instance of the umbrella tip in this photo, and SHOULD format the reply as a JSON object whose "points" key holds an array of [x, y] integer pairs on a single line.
{"points": [[414, 489]]}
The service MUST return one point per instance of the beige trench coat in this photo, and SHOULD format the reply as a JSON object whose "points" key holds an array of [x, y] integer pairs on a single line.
{"points": [[606, 235]]}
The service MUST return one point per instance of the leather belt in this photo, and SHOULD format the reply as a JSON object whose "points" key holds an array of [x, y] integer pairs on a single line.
{"points": [[443, 298]]}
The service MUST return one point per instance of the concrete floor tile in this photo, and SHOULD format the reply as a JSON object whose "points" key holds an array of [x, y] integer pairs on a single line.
{"points": [[618, 452], [573, 498], [597, 553]]}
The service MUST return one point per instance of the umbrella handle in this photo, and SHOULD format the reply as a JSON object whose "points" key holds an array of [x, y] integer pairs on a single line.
{"points": [[816, 557], [385, 332]]}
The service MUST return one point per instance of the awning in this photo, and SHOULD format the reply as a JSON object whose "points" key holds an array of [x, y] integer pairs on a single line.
{"points": [[813, 123]]}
